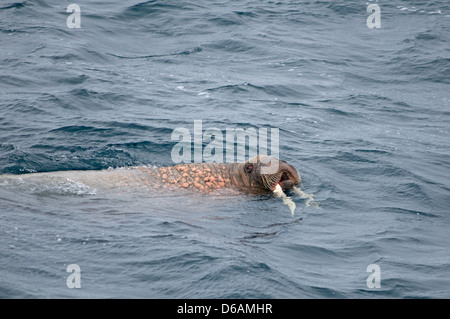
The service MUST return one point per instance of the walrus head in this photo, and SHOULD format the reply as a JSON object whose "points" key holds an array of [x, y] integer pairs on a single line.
{"points": [[265, 173]]}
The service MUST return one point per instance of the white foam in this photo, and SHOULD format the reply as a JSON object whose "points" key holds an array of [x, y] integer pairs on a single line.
{"points": [[46, 184], [205, 94], [310, 198], [286, 199]]}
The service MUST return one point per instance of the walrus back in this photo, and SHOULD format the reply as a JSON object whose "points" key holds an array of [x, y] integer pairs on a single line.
{"points": [[89, 181]]}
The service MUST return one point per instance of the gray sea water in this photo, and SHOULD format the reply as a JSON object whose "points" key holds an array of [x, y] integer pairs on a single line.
{"points": [[363, 114]]}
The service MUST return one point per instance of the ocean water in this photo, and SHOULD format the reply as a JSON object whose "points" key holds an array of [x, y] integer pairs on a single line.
{"points": [[363, 114]]}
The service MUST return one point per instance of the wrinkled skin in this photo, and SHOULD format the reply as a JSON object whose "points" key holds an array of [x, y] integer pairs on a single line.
{"points": [[246, 176], [258, 175]]}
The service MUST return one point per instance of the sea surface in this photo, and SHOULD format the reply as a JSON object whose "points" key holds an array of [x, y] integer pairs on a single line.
{"points": [[363, 114]]}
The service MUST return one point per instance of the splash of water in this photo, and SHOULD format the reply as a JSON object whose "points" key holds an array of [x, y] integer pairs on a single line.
{"points": [[310, 198], [278, 191]]}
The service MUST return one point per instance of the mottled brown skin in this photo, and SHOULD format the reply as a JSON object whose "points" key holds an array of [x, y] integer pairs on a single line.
{"points": [[207, 177], [212, 176]]}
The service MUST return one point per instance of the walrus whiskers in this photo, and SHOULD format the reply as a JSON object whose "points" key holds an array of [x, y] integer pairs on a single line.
{"points": [[270, 180]]}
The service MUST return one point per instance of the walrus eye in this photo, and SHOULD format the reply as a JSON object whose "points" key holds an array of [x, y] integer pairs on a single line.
{"points": [[249, 168]]}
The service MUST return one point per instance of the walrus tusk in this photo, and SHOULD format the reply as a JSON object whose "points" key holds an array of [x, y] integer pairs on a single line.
{"points": [[278, 191]]}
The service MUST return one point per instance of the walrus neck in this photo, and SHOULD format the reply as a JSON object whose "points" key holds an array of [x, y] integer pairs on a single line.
{"points": [[233, 173], [203, 177]]}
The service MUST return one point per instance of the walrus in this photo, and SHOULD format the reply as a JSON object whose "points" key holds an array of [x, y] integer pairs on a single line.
{"points": [[258, 175]]}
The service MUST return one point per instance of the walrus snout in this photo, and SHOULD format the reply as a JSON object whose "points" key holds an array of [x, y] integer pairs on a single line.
{"points": [[289, 177], [286, 175], [285, 181]]}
